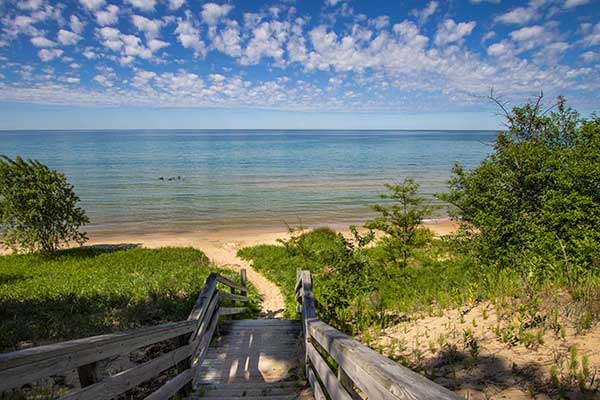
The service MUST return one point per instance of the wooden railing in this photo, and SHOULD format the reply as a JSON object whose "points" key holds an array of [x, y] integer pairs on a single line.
{"points": [[357, 371], [192, 336]]}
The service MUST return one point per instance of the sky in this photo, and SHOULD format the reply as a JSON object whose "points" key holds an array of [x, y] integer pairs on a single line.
{"points": [[313, 64]]}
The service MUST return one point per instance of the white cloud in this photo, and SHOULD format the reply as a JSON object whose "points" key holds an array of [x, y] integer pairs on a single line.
{"points": [[89, 54], [424, 14], [29, 4], [92, 5], [111, 38], [212, 12], [67, 37], [76, 24], [228, 40], [189, 36], [592, 35], [500, 49], [150, 27], [175, 4], [109, 16], [518, 16], [72, 80], [528, 33], [267, 41], [49, 54], [40, 41], [103, 80], [590, 56], [575, 3], [155, 45], [449, 31], [144, 5]]}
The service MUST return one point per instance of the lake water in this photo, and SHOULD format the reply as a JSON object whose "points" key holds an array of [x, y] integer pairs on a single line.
{"points": [[241, 179]]}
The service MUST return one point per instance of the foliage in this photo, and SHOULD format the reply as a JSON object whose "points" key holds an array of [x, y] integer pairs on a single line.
{"points": [[88, 291], [38, 207], [400, 220], [352, 288], [535, 201]]}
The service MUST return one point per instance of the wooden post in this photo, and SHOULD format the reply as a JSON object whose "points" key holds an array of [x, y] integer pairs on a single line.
{"points": [[243, 280], [88, 374]]}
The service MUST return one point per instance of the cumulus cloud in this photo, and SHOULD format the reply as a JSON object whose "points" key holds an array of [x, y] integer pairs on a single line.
{"points": [[49, 54], [76, 24], [67, 37], [528, 33], [40, 41], [175, 4], [518, 16], [92, 5], [592, 35], [144, 5], [29, 4], [424, 14], [189, 36], [212, 12], [575, 3], [150, 27], [109, 16], [450, 31], [590, 56]]}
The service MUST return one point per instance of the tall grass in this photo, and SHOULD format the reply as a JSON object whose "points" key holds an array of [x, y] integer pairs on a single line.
{"points": [[89, 291]]}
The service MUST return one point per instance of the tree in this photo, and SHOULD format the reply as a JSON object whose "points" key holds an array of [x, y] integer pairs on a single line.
{"points": [[38, 207], [535, 200], [401, 219]]}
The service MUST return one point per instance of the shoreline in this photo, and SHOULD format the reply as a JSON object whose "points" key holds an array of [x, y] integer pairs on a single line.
{"points": [[239, 236]]}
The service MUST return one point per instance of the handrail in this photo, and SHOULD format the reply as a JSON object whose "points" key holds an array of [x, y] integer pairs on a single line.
{"points": [[359, 369], [193, 338]]}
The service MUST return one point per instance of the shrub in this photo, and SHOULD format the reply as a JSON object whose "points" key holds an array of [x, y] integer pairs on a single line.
{"points": [[38, 207], [401, 220], [535, 201]]}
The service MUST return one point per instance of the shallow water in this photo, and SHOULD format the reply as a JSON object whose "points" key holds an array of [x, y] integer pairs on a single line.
{"points": [[241, 179]]}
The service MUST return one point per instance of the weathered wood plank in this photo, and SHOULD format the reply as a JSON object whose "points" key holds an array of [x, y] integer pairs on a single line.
{"points": [[230, 283], [231, 310], [315, 385], [377, 376], [205, 295], [123, 381], [20, 367], [244, 279], [170, 388], [333, 387], [234, 297]]}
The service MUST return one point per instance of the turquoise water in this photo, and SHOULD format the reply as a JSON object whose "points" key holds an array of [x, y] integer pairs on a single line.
{"points": [[241, 179]]}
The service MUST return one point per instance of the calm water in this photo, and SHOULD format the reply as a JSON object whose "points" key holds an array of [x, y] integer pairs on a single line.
{"points": [[249, 179]]}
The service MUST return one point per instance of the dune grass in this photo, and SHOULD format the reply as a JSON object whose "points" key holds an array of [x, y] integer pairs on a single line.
{"points": [[89, 291]]}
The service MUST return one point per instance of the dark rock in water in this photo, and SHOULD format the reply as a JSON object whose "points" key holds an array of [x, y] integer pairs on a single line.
{"points": [[161, 179], [171, 179], [178, 178]]}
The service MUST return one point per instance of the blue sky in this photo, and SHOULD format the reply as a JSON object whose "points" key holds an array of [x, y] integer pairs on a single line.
{"points": [[290, 64]]}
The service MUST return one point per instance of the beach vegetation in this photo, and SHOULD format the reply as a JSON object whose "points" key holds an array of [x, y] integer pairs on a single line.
{"points": [[533, 204], [38, 207], [90, 290], [400, 220]]}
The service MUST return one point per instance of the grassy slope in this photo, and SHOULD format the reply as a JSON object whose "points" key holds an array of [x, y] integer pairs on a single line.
{"points": [[89, 291], [435, 277]]}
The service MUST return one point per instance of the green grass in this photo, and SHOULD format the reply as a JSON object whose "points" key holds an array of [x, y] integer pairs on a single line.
{"points": [[89, 291], [436, 277]]}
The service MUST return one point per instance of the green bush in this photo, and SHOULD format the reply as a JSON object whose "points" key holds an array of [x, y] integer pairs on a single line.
{"points": [[38, 207], [534, 203], [400, 220]]}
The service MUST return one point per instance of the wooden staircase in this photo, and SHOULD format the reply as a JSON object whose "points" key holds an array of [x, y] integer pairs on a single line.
{"points": [[253, 359], [215, 358]]}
